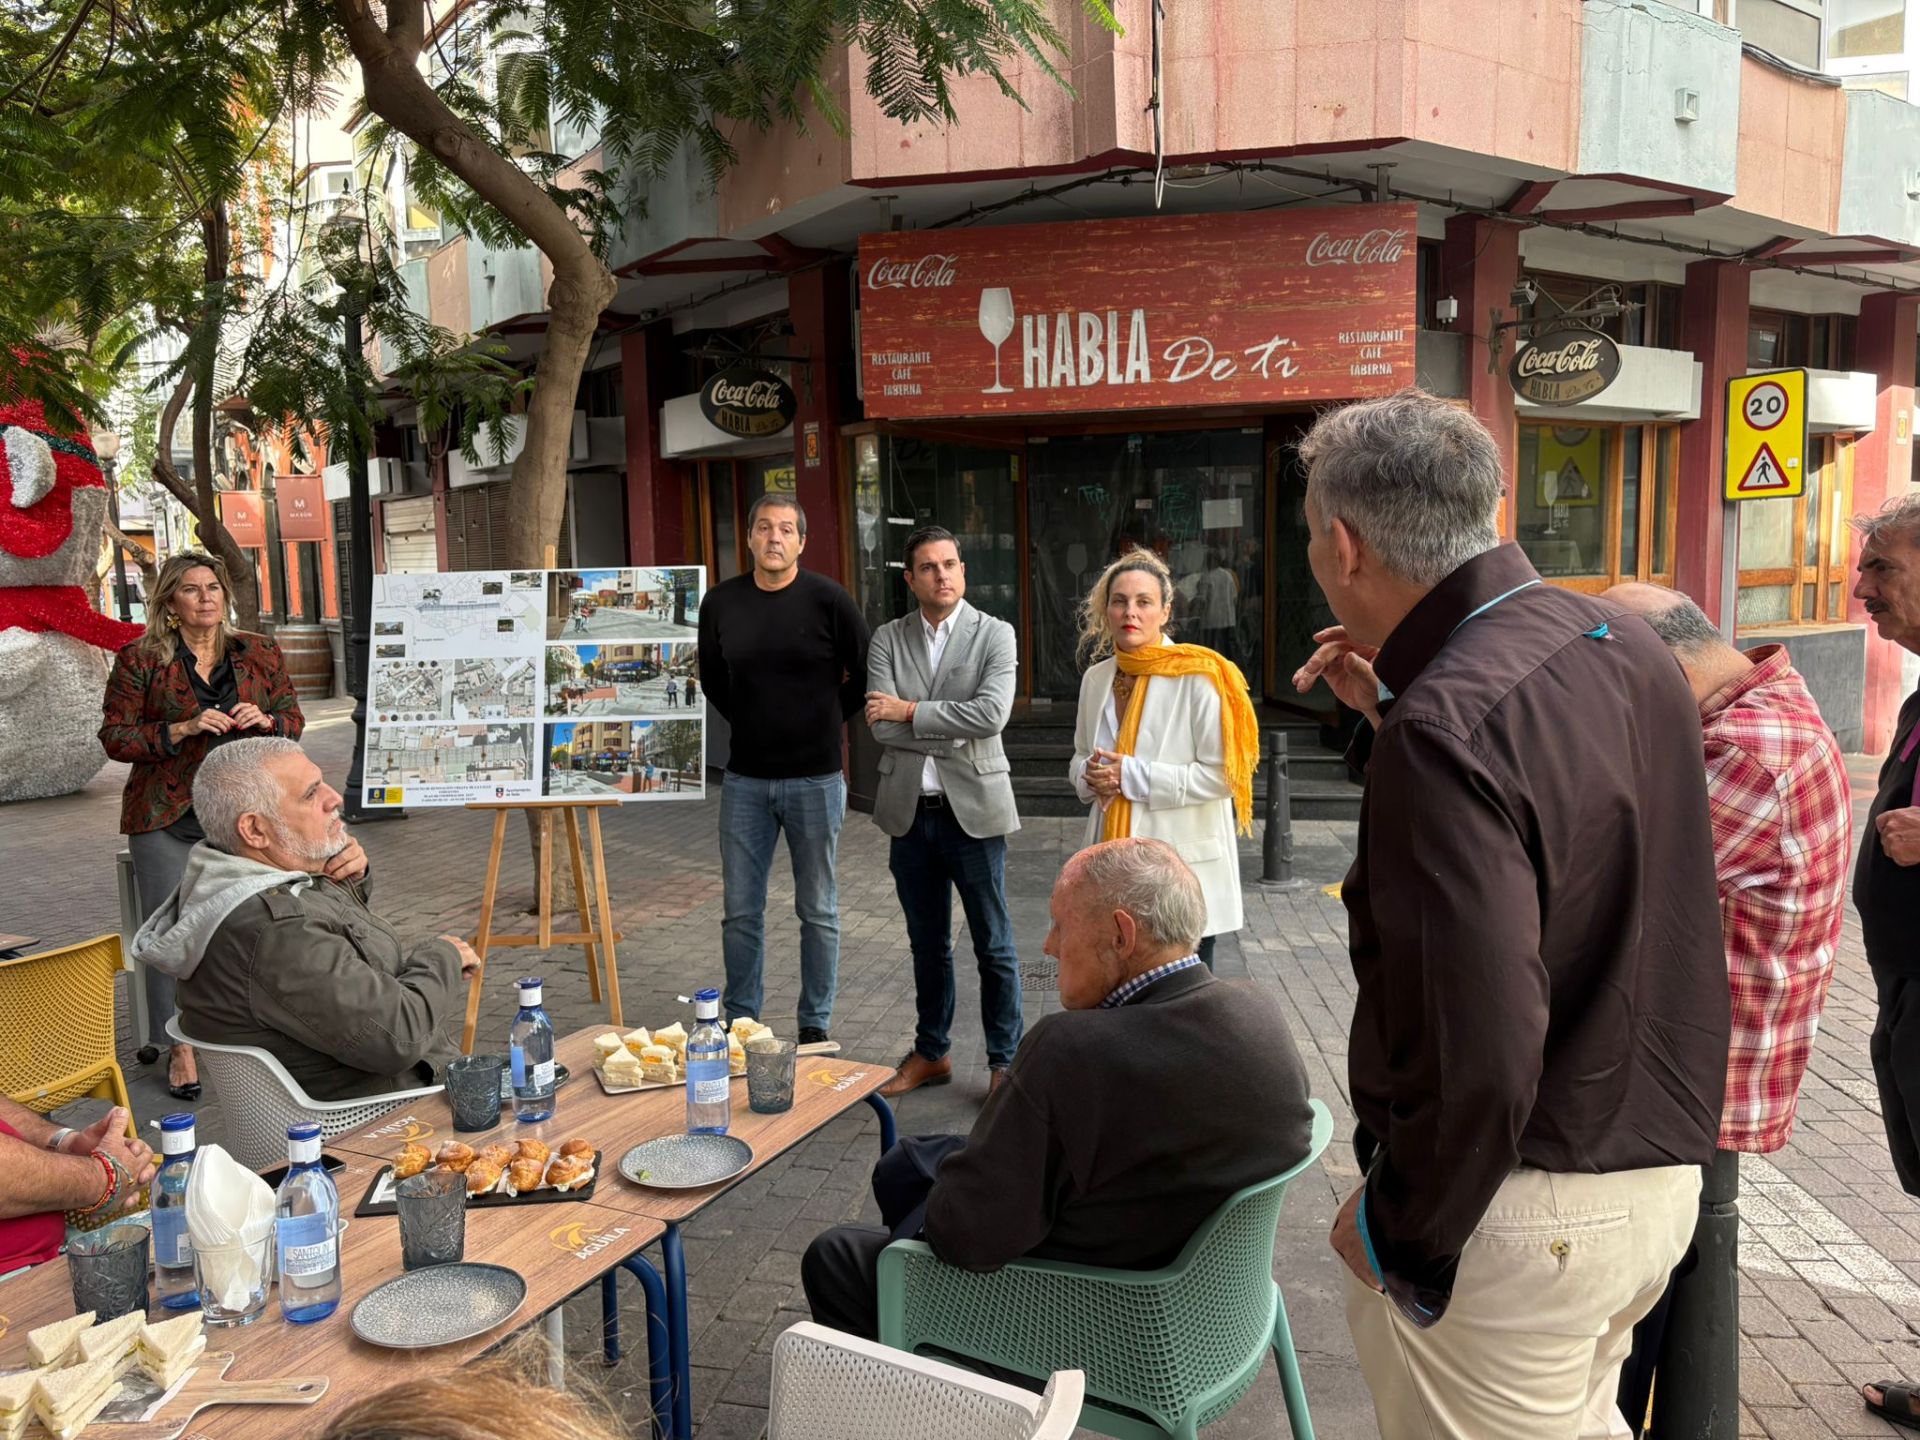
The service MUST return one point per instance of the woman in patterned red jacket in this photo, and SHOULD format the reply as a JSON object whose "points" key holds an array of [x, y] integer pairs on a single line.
{"points": [[191, 683]]}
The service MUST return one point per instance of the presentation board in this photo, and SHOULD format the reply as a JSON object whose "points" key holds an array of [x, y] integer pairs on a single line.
{"points": [[519, 684]]}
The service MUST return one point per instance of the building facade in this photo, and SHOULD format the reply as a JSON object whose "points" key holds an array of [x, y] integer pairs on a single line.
{"points": [[1060, 331]]}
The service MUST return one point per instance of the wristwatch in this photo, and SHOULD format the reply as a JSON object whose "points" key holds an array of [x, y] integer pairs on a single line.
{"points": [[59, 1137]]}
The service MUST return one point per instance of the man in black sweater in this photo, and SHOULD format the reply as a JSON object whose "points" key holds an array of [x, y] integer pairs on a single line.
{"points": [[783, 656], [1126, 1120]]}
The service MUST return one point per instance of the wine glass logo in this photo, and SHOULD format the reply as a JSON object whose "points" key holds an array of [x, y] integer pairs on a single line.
{"points": [[996, 323]]}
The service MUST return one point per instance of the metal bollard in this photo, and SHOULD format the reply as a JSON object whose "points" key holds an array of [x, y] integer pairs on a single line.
{"points": [[1276, 845], [1696, 1393]]}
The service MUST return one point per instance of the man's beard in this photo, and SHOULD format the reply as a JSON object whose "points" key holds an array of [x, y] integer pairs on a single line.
{"points": [[320, 852]]}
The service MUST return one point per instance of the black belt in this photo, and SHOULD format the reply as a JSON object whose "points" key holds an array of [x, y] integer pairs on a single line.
{"points": [[933, 802]]}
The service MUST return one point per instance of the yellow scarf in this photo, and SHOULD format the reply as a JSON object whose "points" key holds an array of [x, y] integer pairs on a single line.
{"points": [[1239, 726]]}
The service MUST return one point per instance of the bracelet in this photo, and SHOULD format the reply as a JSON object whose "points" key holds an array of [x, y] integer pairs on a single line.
{"points": [[112, 1171], [59, 1138]]}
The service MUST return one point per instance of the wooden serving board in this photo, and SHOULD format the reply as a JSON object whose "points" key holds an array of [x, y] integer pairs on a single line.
{"points": [[206, 1387]]}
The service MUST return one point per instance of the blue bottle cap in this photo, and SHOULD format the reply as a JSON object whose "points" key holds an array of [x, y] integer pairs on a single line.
{"points": [[305, 1130], [700, 995], [530, 982], [180, 1121]]}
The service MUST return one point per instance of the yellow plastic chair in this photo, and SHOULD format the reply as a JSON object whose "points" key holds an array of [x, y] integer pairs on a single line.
{"points": [[57, 1027]]}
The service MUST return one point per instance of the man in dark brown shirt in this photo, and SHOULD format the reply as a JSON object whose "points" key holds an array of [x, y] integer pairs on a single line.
{"points": [[1539, 1041]]}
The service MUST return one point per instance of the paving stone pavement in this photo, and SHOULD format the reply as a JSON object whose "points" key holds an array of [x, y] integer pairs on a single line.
{"points": [[1830, 1246]]}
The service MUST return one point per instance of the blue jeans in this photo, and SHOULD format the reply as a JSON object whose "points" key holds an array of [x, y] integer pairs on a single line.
{"points": [[929, 862], [752, 815]]}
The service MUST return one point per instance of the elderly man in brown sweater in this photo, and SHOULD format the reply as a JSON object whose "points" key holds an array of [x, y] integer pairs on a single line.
{"points": [[1127, 1119], [274, 946]]}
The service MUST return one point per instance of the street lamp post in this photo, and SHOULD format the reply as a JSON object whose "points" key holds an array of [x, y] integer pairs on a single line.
{"points": [[359, 623], [106, 445]]}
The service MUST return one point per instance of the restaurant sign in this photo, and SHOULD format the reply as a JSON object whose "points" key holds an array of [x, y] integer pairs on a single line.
{"points": [[1189, 310], [1564, 367], [752, 404]]}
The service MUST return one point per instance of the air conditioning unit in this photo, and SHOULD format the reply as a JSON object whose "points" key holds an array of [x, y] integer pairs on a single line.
{"points": [[384, 477], [512, 440]]}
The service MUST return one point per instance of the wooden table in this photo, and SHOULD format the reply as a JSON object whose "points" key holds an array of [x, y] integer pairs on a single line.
{"points": [[824, 1088], [558, 1248]]}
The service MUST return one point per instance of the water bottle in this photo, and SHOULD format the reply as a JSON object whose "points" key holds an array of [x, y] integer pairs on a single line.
{"points": [[530, 1045], [709, 1086], [307, 1229], [173, 1282]]}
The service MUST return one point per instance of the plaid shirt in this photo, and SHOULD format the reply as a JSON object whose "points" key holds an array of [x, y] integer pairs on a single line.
{"points": [[1122, 994], [1782, 809]]}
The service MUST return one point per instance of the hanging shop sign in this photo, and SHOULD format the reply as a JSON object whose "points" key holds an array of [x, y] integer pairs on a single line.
{"points": [[752, 404], [1564, 367], [244, 517], [302, 503], [1186, 310], [1766, 435]]}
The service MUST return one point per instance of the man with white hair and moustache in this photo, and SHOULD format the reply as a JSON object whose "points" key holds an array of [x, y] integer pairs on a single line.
{"points": [[273, 943], [1126, 1120]]}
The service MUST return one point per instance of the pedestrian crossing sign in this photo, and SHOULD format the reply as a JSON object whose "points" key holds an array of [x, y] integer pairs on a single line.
{"points": [[1766, 435]]}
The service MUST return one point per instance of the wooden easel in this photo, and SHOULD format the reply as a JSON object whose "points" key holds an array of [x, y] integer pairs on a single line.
{"points": [[599, 942]]}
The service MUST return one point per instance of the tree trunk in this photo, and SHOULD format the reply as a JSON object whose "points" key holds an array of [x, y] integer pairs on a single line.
{"points": [[217, 237]]}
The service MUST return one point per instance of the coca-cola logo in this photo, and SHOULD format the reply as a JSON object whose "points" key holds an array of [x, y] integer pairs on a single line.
{"points": [[929, 272], [1375, 247], [1565, 367], [749, 403]]}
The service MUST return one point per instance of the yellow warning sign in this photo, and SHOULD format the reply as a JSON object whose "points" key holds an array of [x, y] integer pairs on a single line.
{"points": [[1766, 435]]}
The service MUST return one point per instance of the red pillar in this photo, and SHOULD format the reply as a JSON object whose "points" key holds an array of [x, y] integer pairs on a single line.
{"points": [[1882, 470], [1479, 263], [657, 531], [1713, 325], [821, 309]]}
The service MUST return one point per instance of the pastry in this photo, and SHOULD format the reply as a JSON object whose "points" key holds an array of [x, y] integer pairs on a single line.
{"points": [[607, 1045], [52, 1344], [532, 1150], [622, 1069], [634, 1039], [455, 1156], [569, 1171], [482, 1175], [501, 1155], [413, 1159], [525, 1175], [577, 1146]]}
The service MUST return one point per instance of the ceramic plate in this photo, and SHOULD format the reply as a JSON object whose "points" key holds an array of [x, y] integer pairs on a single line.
{"points": [[686, 1162], [438, 1305]]}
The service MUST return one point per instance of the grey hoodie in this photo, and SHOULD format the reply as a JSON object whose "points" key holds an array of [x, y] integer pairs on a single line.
{"points": [[214, 885]]}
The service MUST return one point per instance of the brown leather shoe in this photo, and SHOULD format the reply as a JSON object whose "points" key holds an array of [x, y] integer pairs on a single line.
{"points": [[916, 1070], [999, 1077]]}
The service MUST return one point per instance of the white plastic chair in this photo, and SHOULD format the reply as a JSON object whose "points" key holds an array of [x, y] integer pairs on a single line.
{"points": [[832, 1386], [259, 1100]]}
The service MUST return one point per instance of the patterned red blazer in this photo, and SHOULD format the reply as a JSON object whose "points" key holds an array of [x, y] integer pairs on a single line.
{"points": [[145, 696]]}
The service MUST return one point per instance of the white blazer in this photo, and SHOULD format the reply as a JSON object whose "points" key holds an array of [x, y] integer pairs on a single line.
{"points": [[1182, 758]]}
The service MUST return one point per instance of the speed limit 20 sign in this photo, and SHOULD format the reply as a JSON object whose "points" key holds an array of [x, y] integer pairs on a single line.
{"points": [[1767, 435]]}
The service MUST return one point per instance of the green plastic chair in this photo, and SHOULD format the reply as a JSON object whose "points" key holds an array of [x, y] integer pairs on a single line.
{"points": [[1179, 1345]]}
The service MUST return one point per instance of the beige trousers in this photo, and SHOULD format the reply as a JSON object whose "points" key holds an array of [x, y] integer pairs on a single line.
{"points": [[1549, 1289]]}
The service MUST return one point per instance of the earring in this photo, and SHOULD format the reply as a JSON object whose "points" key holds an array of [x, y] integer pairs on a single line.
{"points": [[173, 621]]}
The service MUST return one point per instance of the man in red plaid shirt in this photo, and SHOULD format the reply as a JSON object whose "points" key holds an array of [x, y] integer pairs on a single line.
{"points": [[1781, 809]]}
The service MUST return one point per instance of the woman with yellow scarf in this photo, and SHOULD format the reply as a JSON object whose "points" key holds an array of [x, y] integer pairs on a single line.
{"points": [[1166, 739]]}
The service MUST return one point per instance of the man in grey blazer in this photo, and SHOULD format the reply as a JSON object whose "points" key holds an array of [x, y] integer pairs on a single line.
{"points": [[939, 689]]}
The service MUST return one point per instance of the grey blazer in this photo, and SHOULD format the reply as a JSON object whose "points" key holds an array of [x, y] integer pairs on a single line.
{"points": [[962, 711]]}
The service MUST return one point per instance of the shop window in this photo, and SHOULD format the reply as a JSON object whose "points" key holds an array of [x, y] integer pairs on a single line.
{"points": [[1793, 551], [1595, 504], [1860, 28]]}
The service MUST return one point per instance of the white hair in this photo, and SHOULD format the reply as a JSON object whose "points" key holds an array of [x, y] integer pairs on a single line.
{"points": [[1147, 879], [234, 781], [1898, 519], [1415, 478]]}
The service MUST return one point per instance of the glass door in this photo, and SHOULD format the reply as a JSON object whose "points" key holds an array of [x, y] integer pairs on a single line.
{"points": [[1196, 498]]}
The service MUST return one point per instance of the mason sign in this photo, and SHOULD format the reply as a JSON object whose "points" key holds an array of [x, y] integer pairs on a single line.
{"points": [[1564, 367], [748, 403]]}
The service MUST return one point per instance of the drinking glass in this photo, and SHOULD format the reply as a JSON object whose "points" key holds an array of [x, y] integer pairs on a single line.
{"points": [[109, 1270], [433, 1218], [233, 1279], [996, 323], [473, 1090], [770, 1077]]}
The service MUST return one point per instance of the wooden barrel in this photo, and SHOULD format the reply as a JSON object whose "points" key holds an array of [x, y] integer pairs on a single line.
{"points": [[309, 659]]}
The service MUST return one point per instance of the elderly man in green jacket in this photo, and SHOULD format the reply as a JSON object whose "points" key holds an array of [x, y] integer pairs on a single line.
{"points": [[274, 946]]}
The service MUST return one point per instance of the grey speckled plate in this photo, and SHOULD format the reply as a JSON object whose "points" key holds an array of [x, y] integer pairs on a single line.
{"points": [[438, 1305], [686, 1162]]}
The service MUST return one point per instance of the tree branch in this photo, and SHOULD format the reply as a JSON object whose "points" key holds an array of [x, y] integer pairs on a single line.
{"points": [[407, 26]]}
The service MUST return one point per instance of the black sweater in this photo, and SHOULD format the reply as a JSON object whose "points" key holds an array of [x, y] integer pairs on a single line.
{"points": [[1888, 895], [1120, 1131], [787, 668]]}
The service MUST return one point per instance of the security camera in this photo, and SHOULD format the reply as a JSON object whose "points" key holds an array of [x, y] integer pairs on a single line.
{"points": [[1525, 292]]}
